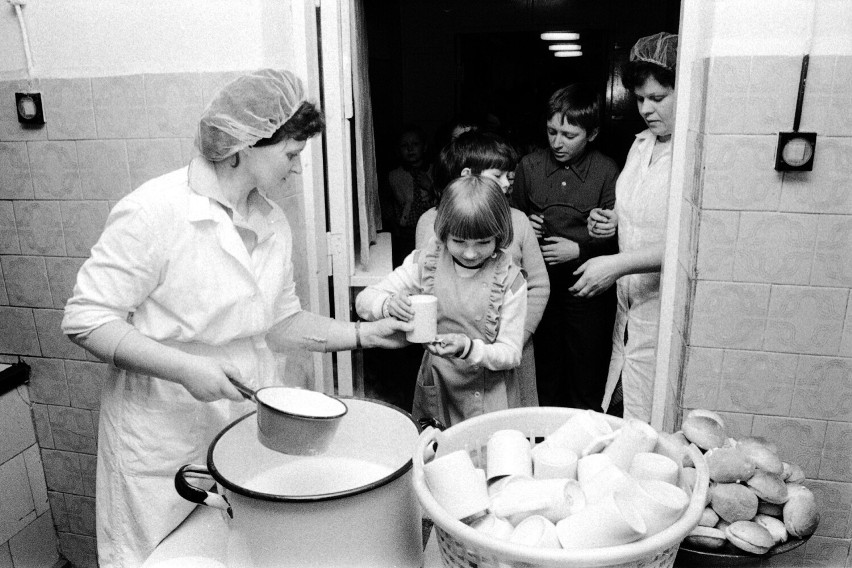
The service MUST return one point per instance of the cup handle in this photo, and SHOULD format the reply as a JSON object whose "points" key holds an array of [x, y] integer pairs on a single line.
{"points": [[195, 494], [244, 389]]}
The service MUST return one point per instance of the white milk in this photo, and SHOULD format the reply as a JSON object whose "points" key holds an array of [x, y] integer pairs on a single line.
{"points": [[300, 401], [317, 475]]}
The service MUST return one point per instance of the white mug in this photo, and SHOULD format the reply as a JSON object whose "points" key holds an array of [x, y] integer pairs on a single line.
{"points": [[425, 320], [610, 522], [648, 465], [553, 463], [535, 531], [457, 485], [634, 437], [508, 453], [659, 503], [578, 431]]}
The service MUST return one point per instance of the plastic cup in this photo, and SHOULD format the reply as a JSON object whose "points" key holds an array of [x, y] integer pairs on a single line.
{"points": [[457, 485], [508, 453], [610, 522], [425, 318]]}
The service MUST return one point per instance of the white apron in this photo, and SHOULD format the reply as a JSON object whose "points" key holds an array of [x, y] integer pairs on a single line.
{"points": [[641, 202]]}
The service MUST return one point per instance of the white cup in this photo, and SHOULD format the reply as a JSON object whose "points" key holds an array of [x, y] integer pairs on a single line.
{"points": [[553, 499], [578, 431], [425, 320], [457, 485], [634, 437], [604, 482], [535, 531], [589, 466], [508, 453], [610, 522], [493, 526], [553, 463], [648, 465], [659, 503]]}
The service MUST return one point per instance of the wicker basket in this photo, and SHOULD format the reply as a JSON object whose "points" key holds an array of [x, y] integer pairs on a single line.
{"points": [[464, 547]]}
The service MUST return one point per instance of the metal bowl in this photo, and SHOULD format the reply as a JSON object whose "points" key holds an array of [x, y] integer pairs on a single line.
{"points": [[729, 555]]}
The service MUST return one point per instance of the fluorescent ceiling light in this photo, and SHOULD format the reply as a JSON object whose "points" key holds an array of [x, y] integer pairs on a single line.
{"points": [[560, 36], [568, 53], [564, 47]]}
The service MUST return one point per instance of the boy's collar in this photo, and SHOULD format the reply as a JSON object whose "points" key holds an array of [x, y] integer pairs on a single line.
{"points": [[580, 167]]}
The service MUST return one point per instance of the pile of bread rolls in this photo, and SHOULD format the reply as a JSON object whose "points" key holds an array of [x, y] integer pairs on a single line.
{"points": [[756, 500]]}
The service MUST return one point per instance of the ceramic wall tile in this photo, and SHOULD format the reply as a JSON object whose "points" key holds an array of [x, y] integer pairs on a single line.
{"points": [[62, 471], [36, 545], [729, 315], [16, 500], [826, 188], [62, 276], [834, 501], [757, 382], [8, 231], [825, 552], [15, 423], [81, 514], [58, 510], [775, 248], [836, 462], [727, 88], [799, 440], [823, 388], [805, 319], [151, 158], [41, 422], [69, 113], [85, 381], [18, 332], [174, 104], [688, 238], [81, 551], [72, 429], [738, 425], [54, 170], [832, 262], [5, 556], [846, 339], [15, 171], [4, 298], [10, 128], [82, 224], [681, 311], [35, 471], [103, 169], [827, 105], [26, 281], [39, 227], [702, 377], [53, 342], [739, 174], [212, 82], [717, 244], [88, 468], [120, 110], [188, 151], [47, 382], [698, 94]]}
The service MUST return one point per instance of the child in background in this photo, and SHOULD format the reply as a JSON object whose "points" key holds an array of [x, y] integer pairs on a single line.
{"points": [[482, 304], [411, 190], [483, 153], [558, 187]]}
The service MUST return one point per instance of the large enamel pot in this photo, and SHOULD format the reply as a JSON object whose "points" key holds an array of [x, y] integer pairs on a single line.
{"points": [[353, 505]]}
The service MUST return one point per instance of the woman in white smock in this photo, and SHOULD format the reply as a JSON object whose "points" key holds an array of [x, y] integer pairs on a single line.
{"points": [[641, 207], [190, 284]]}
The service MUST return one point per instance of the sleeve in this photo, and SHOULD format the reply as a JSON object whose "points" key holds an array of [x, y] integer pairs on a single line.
{"points": [[505, 352], [425, 229], [598, 247], [538, 282], [406, 277], [520, 188], [125, 266]]}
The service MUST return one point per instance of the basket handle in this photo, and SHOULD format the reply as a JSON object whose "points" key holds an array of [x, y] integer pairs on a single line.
{"points": [[427, 446]]}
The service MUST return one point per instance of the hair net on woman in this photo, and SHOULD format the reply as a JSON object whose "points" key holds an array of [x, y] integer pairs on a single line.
{"points": [[248, 109], [660, 49]]}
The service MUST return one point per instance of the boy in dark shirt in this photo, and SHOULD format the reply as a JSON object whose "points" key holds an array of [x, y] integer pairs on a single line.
{"points": [[557, 187]]}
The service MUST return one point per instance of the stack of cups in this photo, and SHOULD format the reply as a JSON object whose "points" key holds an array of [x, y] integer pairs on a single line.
{"points": [[457, 485]]}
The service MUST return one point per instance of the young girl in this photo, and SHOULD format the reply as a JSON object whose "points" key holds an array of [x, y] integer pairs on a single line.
{"points": [[482, 304], [489, 155]]}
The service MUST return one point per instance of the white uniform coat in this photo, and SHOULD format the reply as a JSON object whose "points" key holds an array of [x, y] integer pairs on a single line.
{"points": [[641, 202], [172, 259]]}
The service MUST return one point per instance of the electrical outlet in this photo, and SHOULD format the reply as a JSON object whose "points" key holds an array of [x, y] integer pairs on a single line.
{"points": [[29, 107]]}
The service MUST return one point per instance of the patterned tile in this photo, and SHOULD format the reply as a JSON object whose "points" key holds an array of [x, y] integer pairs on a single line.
{"points": [[846, 340], [188, 151], [39, 227], [836, 458], [775, 248], [36, 545], [58, 510], [47, 382], [825, 552], [805, 319], [827, 105], [119, 103], [15, 171], [41, 421], [832, 262], [88, 469], [104, 171], [835, 506], [738, 425], [799, 441], [80, 550], [152, 158], [174, 104], [757, 382], [10, 128], [53, 342], [823, 389], [729, 315], [739, 175], [82, 224], [81, 514], [26, 281], [8, 231], [62, 276], [62, 471], [71, 115], [35, 471], [703, 377], [16, 424], [85, 381], [717, 244], [17, 332], [72, 429], [15, 496], [54, 170], [826, 188]]}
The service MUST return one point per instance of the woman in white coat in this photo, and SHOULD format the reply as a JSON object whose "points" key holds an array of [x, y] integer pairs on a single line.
{"points": [[190, 284], [641, 206]]}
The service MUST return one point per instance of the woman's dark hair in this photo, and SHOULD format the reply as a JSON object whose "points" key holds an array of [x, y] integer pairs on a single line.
{"points": [[578, 105], [306, 122], [635, 74], [476, 150]]}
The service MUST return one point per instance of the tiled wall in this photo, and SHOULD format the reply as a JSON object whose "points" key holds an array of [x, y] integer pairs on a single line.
{"points": [[103, 137], [764, 331]]}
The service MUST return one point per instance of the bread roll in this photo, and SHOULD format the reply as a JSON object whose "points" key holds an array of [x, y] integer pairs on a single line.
{"points": [[771, 509], [749, 536], [709, 518], [728, 465], [769, 487], [733, 502], [760, 452], [705, 429], [774, 526], [801, 515], [706, 537]]}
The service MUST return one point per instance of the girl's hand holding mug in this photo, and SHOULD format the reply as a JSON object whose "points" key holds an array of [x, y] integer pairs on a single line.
{"points": [[398, 306], [449, 345], [602, 223]]}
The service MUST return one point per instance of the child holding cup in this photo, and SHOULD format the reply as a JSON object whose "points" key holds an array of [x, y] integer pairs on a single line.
{"points": [[481, 295]]}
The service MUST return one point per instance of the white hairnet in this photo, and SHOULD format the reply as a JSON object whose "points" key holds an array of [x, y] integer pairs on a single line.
{"points": [[247, 109], [659, 48]]}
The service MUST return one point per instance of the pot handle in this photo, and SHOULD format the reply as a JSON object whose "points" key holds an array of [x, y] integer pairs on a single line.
{"points": [[247, 392], [195, 494]]}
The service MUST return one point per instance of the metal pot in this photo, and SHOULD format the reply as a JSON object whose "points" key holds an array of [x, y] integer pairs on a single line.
{"points": [[353, 505]]}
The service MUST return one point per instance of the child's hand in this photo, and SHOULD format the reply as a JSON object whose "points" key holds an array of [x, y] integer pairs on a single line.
{"points": [[559, 250], [399, 307], [602, 223], [537, 223], [449, 345]]}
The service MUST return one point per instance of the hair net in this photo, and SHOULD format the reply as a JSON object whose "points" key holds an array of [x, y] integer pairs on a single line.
{"points": [[659, 48], [247, 109]]}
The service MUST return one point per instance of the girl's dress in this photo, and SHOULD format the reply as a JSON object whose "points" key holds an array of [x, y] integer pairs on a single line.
{"points": [[489, 306]]}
